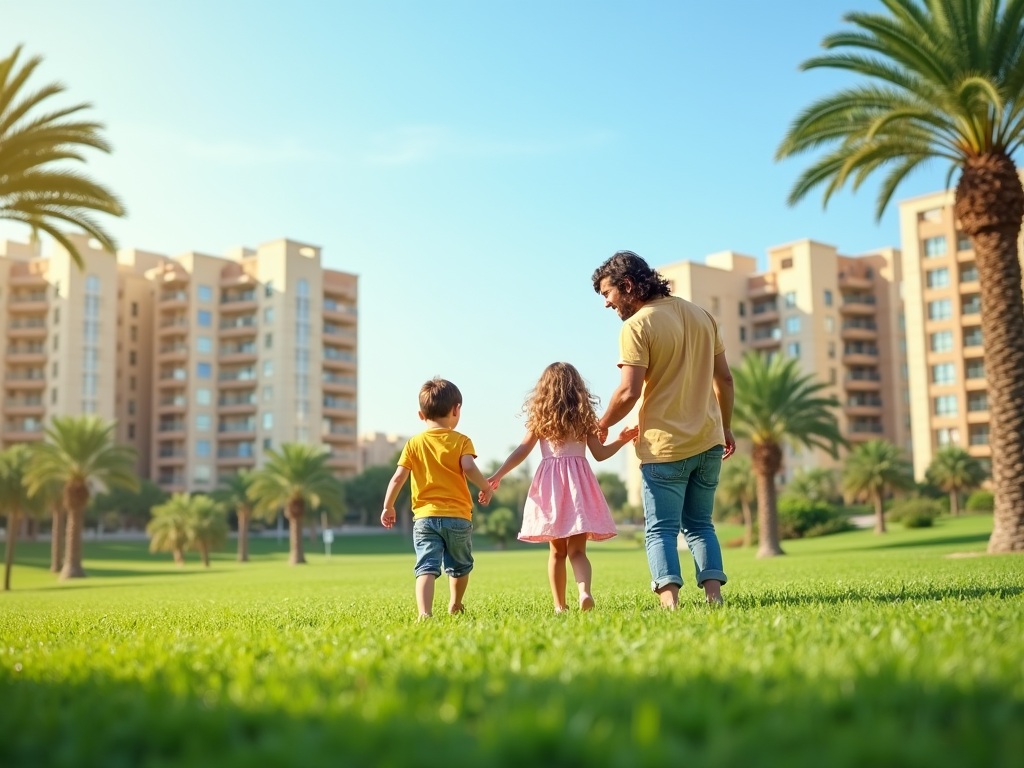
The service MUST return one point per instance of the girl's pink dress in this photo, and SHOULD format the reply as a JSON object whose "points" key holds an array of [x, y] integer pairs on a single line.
{"points": [[565, 498]]}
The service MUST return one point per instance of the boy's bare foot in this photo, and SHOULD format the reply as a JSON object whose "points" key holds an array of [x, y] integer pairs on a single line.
{"points": [[586, 603], [456, 608]]}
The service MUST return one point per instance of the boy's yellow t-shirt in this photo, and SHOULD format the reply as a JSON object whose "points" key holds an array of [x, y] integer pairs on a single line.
{"points": [[439, 486]]}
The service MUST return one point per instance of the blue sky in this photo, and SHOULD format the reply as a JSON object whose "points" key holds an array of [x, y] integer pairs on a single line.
{"points": [[473, 162]]}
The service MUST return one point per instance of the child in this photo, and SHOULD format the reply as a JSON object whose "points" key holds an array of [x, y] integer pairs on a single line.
{"points": [[565, 506], [439, 460]]}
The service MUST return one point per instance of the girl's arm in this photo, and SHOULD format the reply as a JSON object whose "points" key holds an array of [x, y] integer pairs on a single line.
{"points": [[514, 459], [601, 451]]}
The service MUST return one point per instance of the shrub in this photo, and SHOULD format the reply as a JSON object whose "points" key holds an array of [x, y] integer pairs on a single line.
{"points": [[981, 501], [916, 513], [798, 517]]}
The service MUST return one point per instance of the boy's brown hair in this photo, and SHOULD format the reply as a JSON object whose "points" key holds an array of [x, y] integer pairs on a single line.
{"points": [[438, 397]]}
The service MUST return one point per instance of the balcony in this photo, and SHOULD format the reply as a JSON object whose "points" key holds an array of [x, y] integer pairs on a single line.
{"points": [[339, 432], [31, 280], [863, 381], [766, 338], [863, 405], [26, 405], [174, 374], [25, 378], [238, 326], [340, 311], [338, 406], [244, 402], [22, 430], [33, 301], [238, 427], [26, 353], [27, 328], [175, 403], [166, 428], [237, 353], [339, 357], [858, 304], [238, 301], [335, 382], [764, 312], [237, 378], [171, 481], [859, 353], [970, 305], [170, 454], [236, 454], [859, 330], [864, 430], [762, 285], [173, 326], [173, 300], [174, 351], [330, 329]]}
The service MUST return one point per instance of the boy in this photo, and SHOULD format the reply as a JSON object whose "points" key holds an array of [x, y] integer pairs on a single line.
{"points": [[439, 460]]}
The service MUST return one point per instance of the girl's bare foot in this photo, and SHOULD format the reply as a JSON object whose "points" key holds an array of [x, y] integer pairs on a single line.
{"points": [[457, 608], [586, 602], [425, 616], [561, 609]]}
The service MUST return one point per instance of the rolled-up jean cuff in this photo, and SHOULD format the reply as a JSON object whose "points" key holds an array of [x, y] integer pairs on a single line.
{"points": [[664, 581], [711, 573], [428, 571]]}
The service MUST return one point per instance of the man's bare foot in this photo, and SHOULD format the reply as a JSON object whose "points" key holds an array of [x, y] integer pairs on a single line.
{"points": [[456, 608], [586, 602]]}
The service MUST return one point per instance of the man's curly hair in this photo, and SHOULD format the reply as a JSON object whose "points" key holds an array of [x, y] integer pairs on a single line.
{"points": [[647, 283]]}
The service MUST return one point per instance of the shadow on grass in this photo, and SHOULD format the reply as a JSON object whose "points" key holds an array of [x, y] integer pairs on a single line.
{"points": [[836, 596], [944, 541], [507, 719]]}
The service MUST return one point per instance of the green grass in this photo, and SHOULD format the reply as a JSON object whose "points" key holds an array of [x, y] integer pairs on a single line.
{"points": [[853, 650]]}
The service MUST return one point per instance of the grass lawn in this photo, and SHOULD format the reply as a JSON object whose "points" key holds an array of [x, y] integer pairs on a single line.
{"points": [[854, 650]]}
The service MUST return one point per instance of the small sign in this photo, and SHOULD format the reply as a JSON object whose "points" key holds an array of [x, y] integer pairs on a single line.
{"points": [[328, 536]]}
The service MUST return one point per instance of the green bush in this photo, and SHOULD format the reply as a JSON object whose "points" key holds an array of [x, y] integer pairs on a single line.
{"points": [[800, 518], [981, 501], [916, 513]]}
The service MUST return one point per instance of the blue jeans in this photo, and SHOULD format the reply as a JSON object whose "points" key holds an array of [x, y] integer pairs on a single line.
{"points": [[680, 495], [443, 541]]}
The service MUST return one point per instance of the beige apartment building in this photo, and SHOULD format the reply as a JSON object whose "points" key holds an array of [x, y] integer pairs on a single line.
{"points": [[840, 316], [378, 449], [206, 362], [945, 349]]}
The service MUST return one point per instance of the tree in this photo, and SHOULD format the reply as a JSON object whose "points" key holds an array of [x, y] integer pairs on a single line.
{"points": [[295, 478], [207, 526], [613, 488], [131, 508], [954, 470], [738, 485], [52, 498], [79, 453], [365, 492], [168, 530], [872, 469], [777, 405], [36, 187], [500, 524], [234, 496], [15, 500], [945, 81], [816, 485]]}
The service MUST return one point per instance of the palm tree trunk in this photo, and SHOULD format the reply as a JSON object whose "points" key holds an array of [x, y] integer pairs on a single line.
{"points": [[766, 460], [748, 523], [990, 205], [12, 536], [295, 511], [179, 557], [244, 513], [204, 552], [954, 502], [76, 496], [876, 497], [55, 538]]}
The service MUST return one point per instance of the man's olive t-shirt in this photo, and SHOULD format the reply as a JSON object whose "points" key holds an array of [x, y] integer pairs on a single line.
{"points": [[676, 341]]}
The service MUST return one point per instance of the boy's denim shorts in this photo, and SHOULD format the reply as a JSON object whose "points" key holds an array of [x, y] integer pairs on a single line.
{"points": [[443, 542]]}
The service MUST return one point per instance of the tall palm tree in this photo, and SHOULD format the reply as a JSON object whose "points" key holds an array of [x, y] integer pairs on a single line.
{"points": [[234, 495], [297, 479], [36, 187], [168, 528], [873, 468], [945, 81], [738, 485], [954, 470], [818, 485], [79, 453], [15, 500], [777, 405], [52, 498], [207, 526]]}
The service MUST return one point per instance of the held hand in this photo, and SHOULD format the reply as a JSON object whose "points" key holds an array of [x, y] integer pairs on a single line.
{"points": [[387, 517], [494, 481], [484, 496], [629, 434], [730, 444], [602, 433]]}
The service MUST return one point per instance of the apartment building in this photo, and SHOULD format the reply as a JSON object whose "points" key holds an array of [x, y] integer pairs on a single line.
{"points": [[378, 448], [206, 362], [945, 348], [840, 316]]}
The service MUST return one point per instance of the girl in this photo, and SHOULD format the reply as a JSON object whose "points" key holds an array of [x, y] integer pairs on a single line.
{"points": [[565, 506]]}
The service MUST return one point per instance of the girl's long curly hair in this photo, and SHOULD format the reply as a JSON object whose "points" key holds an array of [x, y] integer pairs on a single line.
{"points": [[561, 409]]}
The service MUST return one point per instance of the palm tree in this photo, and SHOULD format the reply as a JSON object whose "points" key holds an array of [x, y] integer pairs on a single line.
{"points": [[207, 526], [15, 500], [871, 469], [169, 527], [52, 497], [79, 453], [297, 479], [946, 82], [234, 495], [817, 485], [777, 405], [954, 470], [738, 485], [34, 190]]}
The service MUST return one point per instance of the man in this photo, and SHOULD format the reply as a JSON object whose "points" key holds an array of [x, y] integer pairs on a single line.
{"points": [[671, 353]]}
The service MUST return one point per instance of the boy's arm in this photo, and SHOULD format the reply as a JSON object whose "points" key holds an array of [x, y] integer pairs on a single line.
{"points": [[387, 517], [476, 477], [600, 451], [514, 459]]}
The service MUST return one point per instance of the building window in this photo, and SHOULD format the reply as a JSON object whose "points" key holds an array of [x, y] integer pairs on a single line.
{"points": [[268, 315], [134, 333], [963, 242], [792, 325], [56, 315], [131, 407], [978, 434], [790, 299], [203, 422], [828, 298], [203, 396], [945, 405], [830, 324], [204, 370], [204, 293], [937, 278], [832, 350], [944, 373], [743, 333], [135, 309], [969, 273], [935, 246], [942, 341], [832, 376], [268, 368], [268, 340], [932, 214], [793, 349], [132, 358], [202, 473], [268, 420], [204, 318], [977, 401], [975, 369], [90, 346], [743, 309], [131, 431], [786, 263], [268, 289], [970, 304], [947, 436], [204, 344], [131, 383], [266, 443], [203, 449], [972, 336], [53, 395], [268, 394], [941, 309]]}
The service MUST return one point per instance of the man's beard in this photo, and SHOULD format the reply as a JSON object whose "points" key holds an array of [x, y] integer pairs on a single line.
{"points": [[628, 308]]}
